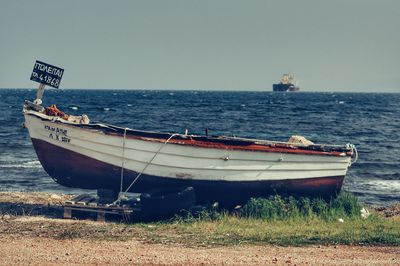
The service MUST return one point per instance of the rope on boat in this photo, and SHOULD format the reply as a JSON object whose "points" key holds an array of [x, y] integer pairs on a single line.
{"points": [[121, 193], [354, 151], [352, 147], [123, 160]]}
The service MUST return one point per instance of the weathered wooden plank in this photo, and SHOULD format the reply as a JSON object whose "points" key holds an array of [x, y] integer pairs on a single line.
{"points": [[80, 197], [92, 204], [69, 202], [101, 216], [85, 204], [99, 211], [67, 213]]}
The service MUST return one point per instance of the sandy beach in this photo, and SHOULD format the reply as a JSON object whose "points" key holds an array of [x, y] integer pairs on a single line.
{"points": [[34, 237]]}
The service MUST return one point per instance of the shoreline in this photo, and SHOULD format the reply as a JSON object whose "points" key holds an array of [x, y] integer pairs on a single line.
{"points": [[36, 233]]}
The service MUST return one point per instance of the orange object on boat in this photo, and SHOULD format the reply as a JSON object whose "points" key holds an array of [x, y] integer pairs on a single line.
{"points": [[54, 111]]}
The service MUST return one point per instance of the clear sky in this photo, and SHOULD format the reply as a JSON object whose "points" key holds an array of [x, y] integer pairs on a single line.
{"points": [[341, 45]]}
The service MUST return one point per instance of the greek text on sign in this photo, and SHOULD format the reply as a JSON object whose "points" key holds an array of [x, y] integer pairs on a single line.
{"points": [[47, 74]]}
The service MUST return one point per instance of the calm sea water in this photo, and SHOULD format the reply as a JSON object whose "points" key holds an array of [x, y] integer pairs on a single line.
{"points": [[370, 121]]}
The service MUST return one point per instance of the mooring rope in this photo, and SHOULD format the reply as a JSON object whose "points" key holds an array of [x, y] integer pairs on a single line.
{"points": [[144, 169], [123, 161], [354, 151]]}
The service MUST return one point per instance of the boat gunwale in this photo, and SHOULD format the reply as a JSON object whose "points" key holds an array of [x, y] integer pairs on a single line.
{"points": [[189, 156]]}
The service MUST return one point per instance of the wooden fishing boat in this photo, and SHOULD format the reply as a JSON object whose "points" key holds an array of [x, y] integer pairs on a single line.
{"points": [[80, 154]]}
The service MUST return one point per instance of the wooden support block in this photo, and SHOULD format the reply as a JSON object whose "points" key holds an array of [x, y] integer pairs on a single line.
{"points": [[85, 205], [80, 197], [92, 204], [67, 213], [101, 216]]}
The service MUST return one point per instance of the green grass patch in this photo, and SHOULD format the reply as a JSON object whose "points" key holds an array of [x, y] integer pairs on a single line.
{"points": [[232, 230], [279, 208], [288, 221]]}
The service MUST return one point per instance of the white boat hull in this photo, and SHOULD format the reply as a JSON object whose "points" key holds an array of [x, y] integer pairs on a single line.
{"points": [[89, 157]]}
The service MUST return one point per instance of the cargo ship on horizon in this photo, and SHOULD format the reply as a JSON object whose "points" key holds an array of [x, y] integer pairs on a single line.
{"points": [[287, 83]]}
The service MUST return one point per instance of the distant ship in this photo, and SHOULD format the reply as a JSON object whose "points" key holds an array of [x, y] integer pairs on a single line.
{"points": [[287, 84]]}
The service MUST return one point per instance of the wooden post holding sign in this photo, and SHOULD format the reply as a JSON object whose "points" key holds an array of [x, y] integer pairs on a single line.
{"points": [[45, 74]]}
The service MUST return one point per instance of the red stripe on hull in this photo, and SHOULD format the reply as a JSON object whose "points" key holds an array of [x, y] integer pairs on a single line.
{"points": [[281, 148], [72, 169]]}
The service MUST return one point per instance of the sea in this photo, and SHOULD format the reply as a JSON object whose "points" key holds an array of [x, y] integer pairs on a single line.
{"points": [[371, 121]]}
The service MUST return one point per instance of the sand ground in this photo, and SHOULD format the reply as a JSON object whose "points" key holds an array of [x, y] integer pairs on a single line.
{"points": [[46, 251]]}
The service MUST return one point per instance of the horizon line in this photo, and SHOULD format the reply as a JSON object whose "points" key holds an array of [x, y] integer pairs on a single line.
{"points": [[206, 90]]}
